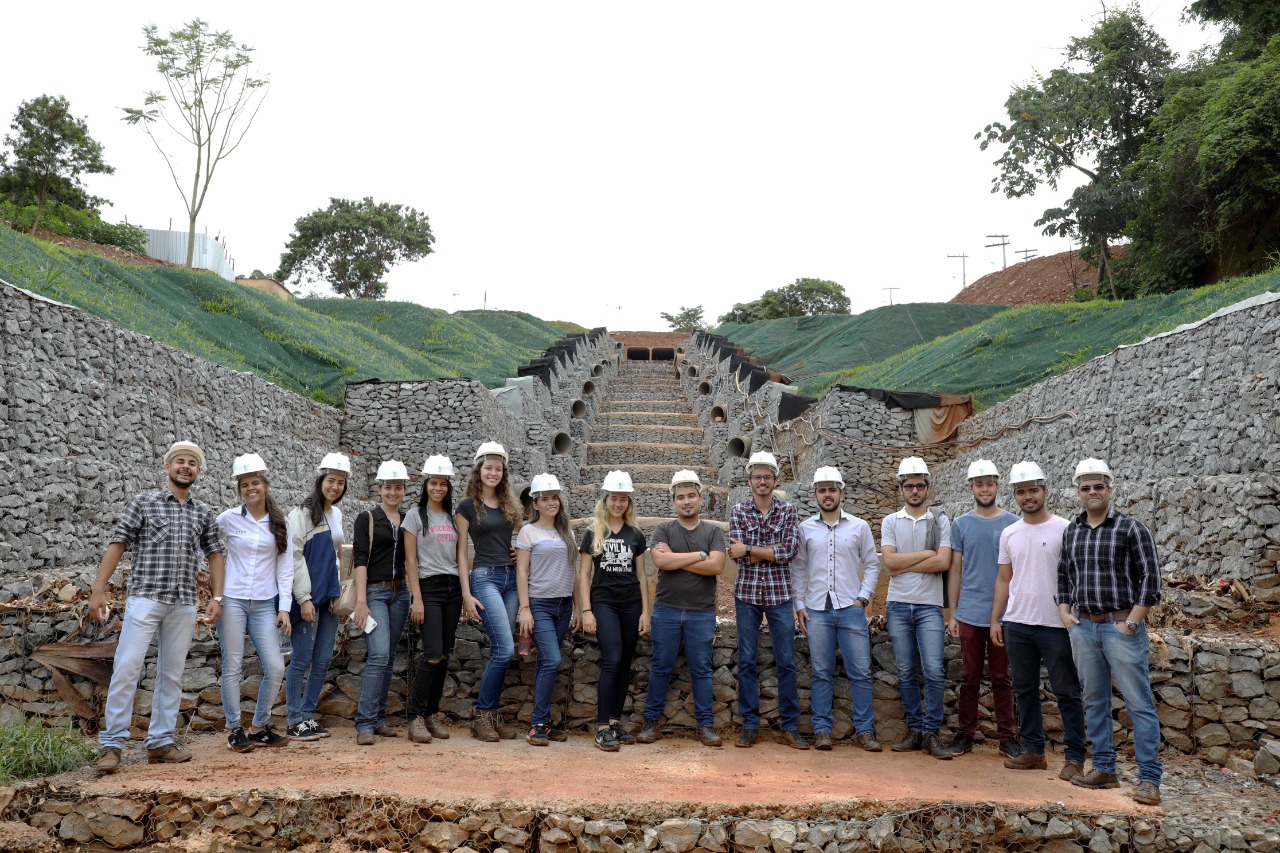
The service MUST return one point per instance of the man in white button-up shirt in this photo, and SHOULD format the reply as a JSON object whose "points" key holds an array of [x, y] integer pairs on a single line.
{"points": [[833, 577]]}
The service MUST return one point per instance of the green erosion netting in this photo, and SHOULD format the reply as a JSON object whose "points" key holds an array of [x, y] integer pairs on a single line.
{"points": [[812, 351], [1022, 346], [312, 346]]}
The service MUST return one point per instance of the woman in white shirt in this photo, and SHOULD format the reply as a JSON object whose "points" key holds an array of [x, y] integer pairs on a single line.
{"points": [[259, 580]]}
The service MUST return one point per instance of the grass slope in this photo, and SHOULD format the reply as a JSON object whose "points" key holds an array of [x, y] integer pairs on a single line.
{"points": [[311, 346]]}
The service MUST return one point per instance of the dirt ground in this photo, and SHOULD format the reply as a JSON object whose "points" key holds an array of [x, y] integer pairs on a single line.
{"points": [[1052, 278], [675, 776], [115, 253]]}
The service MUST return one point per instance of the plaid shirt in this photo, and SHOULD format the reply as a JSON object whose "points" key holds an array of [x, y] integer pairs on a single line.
{"points": [[1109, 567], [168, 539], [768, 582]]}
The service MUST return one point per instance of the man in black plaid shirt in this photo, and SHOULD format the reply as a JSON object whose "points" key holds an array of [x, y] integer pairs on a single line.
{"points": [[170, 532]]}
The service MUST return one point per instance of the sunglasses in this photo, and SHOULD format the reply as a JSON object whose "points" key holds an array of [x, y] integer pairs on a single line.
{"points": [[1096, 487]]}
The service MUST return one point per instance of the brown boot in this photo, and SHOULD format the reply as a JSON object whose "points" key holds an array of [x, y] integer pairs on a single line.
{"points": [[110, 760], [418, 731], [482, 727], [933, 745], [505, 730], [1027, 760], [1095, 778], [436, 725], [1070, 770]]}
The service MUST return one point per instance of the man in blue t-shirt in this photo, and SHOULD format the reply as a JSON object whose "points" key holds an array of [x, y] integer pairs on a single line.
{"points": [[975, 549]]}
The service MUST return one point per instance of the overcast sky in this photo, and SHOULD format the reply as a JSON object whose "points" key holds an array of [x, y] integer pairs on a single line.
{"points": [[597, 162]]}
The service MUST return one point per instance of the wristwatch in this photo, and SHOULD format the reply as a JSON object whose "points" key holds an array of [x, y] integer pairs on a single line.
{"points": [[702, 555], [218, 598], [862, 601], [1131, 625]]}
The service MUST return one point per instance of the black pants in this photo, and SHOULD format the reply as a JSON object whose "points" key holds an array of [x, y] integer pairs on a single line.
{"points": [[442, 605], [617, 627]]}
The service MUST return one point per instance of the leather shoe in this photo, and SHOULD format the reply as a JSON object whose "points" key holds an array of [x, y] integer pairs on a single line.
{"points": [[794, 740], [365, 738], [384, 730], [1095, 778], [933, 746], [708, 736], [649, 733], [822, 740], [910, 743], [167, 754], [109, 762], [748, 738], [1147, 793], [1027, 760], [868, 742], [1070, 770]]}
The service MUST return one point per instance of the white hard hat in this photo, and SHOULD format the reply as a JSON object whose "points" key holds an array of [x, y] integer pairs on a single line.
{"points": [[544, 483], [983, 468], [438, 466], [249, 463], [762, 458], [491, 448], [617, 481], [913, 466], [392, 469], [1025, 472], [828, 474], [1094, 467], [334, 462], [683, 476]]}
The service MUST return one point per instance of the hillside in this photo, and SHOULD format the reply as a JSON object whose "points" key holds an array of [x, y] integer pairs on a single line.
{"points": [[312, 346], [1052, 278]]}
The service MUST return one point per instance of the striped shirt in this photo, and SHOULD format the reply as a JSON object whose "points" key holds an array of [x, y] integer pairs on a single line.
{"points": [[1109, 567], [168, 538], [767, 582]]}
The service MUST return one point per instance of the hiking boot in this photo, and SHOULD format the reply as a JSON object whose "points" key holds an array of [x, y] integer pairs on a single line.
{"points": [[482, 727], [822, 740], [305, 730], [1070, 770], [1010, 748], [794, 740], [505, 730], [1027, 760], [960, 744], [384, 730], [649, 733], [867, 740], [437, 726], [418, 731], [910, 743], [606, 740], [622, 736], [109, 761], [365, 738], [238, 741], [1147, 793], [1096, 779], [537, 735], [748, 738], [933, 746], [708, 737], [167, 754], [266, 737]]}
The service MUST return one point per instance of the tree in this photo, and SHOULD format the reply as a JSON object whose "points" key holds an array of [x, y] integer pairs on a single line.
{"points": [[687, 320], [51, 149], [353, 244], [211, 103], [805, 297], [1090, 116], [1248, 24]]}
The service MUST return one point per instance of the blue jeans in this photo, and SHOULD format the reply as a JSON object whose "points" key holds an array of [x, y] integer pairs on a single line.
{"points": [[312, 650], [917, 635], [1028, 646], [172, 626], [782, 633], [551, 618], [389, 607], [847, 628], [258, 616], [495, 587], [697, 628], [1101, 653]]}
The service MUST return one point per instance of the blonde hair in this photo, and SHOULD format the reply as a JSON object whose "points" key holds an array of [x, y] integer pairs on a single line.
{"points": [[561, 521], [600, 521]]}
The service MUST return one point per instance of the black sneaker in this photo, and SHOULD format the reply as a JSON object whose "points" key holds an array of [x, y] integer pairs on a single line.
{"points": [[238, 741], [319, 729], [622, 736], [606, 740], [556, 735], [1010, 748], [305, 730], [960, 744], [537, 735], [266, 737]]}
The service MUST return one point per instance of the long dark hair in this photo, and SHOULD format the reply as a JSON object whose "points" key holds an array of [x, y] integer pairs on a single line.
{"points": [[314, 502], [510, 507], [447, 503], [275, 517]]}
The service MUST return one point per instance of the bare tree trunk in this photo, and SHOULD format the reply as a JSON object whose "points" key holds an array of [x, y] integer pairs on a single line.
{"points": [[191, 240]]}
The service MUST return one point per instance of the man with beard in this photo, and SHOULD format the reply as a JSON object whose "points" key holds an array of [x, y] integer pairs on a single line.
{"points": [[915, 545], [1032, 631], [833, 577], [169, 532], [975, 541], [1108, 578]]}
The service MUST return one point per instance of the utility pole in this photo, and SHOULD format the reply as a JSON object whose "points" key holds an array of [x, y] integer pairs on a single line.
{"points": [[1005, 238], [964, 276], [891, 290], [1027, 254]]}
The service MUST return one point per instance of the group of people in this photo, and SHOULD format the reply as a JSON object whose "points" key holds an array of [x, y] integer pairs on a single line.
{"points": [[1022, 591]]}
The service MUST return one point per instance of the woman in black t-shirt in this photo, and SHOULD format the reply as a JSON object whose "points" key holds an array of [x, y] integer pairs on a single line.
{"points": [[616, 600]]}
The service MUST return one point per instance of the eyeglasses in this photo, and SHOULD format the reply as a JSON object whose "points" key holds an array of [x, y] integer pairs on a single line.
{"points": [[1096, 487], [915, 487], [761, 478]]}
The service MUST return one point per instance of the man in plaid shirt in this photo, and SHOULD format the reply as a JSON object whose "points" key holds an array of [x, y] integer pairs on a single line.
{"points": [[170, 532], [762, 538]]}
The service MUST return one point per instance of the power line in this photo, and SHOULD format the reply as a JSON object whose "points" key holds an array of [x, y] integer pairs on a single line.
{"points": [[891, 290], [1027, 254], [964, 276], [1004, 237]]}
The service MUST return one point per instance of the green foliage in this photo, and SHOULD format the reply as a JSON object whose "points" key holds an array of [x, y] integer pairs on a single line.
{"points": [[28, 750], [211, 103], [567, 328], [686, 320], [1248, 24], [805, 297], [63, 219], [49, 150], [352, 245]]}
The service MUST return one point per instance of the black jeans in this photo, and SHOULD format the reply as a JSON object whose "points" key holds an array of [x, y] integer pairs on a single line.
{"points": [[442, 605], [1028, 646], [617, 628]]}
